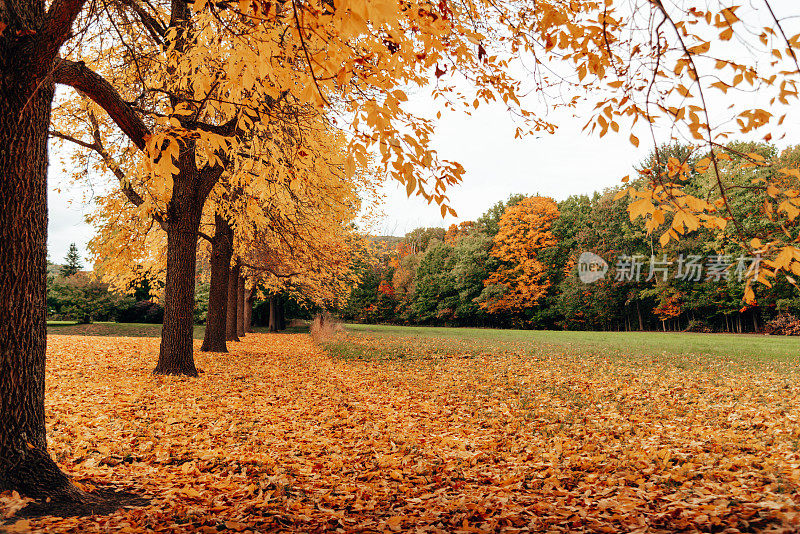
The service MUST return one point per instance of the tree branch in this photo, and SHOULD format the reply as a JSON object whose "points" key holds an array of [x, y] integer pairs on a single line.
{"points": [[125, 184], [789, 46], [153, 25], [58, 26], [308, 56], [80, 77], [66, 137], [266, 269]]}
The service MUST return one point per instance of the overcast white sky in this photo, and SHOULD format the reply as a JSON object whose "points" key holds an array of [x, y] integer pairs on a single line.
{"points": [[558, 165], [497, 165]]}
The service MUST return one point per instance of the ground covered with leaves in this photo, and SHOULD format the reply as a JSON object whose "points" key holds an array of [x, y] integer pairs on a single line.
{"points": [[405, 433]]}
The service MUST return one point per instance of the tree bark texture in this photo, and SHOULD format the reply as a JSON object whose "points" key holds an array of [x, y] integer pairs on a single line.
{"points": [[281, 315], [184, 210], [249, 297], [233, 302], [26, 95], [240, 307], [273, 315], [216, 321]]}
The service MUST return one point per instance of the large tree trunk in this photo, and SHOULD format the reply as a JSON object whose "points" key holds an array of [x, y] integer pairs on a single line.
{"points": [[25, 99], [183, 211], [216, 321], [233, 302], [240, 308], [273, 315]]}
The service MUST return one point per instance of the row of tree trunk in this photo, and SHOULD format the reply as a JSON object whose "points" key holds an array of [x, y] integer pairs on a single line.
{"points": [[230, 302], [29, 45], [734, 322], [26, 94]]}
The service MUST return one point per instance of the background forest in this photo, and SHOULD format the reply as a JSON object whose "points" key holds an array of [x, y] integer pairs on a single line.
{"points": [[74, 294], [515, 266]]}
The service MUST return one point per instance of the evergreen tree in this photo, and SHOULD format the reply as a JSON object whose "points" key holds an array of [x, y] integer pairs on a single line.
{"points": [[489, 222], [72, 262]]}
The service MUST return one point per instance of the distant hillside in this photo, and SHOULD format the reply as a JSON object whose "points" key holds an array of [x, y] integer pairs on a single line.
{"points": [[390, 239], [53, 269]]}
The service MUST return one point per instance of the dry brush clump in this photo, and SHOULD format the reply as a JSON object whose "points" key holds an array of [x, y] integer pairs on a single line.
{"points": [[784, 324], [325, 327]]}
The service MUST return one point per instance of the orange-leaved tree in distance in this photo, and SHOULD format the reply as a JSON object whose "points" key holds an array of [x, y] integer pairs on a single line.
{"points": [[521, 280]]}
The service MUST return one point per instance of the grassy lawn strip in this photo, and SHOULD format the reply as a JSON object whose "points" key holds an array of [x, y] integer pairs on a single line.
{"points": [[69, 328], [683, 349]]}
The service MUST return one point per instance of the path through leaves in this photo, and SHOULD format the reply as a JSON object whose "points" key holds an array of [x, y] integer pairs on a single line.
{"points": [[279, 436]]}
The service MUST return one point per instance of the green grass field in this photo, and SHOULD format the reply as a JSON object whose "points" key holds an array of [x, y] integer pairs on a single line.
{"points": [[680, 349], [68, 328], [686, 411]]}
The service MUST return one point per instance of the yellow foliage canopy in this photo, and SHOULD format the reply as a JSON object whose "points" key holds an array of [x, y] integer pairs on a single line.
{"points": [[524, 231]]}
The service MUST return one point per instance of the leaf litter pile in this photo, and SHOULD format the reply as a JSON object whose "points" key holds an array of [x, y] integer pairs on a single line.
{"points": [[279, 435]]}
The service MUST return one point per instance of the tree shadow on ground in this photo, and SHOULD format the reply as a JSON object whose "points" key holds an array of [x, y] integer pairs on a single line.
{"points": [[104, 500]]}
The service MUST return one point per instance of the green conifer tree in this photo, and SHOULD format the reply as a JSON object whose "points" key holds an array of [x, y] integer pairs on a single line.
{"points": [[72, 262]]}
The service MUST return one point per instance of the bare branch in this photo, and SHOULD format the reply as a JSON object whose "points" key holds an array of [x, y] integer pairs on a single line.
{"points": [[269, 270], [153, 25], [305, 50], [66, 137], [783, 34], [80, 77]]}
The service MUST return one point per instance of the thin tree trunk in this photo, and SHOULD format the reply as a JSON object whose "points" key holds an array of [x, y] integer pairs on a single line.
{"points": [[248, 309], [221, 252], [176, 356], [281, 315], [273, 315], [639, 312], [233, 286], [26, 96], [240, 307]]}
